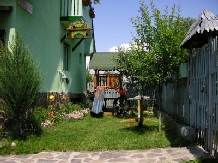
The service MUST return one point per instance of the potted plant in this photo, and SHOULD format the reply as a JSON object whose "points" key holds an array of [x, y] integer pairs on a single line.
{"points": [[92, 13], [86, 2], [96, 1]]}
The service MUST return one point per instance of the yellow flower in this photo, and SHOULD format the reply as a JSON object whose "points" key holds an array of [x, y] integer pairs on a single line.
{"points": [[51, 97]]}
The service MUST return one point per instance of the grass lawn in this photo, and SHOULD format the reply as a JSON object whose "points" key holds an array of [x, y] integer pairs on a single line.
{"points": [[96, 134]]}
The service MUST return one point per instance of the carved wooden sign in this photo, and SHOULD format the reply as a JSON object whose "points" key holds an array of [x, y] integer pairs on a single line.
{"points": [[79, 27]]}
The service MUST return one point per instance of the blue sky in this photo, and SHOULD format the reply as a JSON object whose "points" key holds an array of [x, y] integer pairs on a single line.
{"points": [[112, 18]]}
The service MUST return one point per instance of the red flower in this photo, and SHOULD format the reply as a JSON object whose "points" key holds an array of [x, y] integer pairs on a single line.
{"points": [[122, 92], [67, 99], [51, 114], [52, 100]]}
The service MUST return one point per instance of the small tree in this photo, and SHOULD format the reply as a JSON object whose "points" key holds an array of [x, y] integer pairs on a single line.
{"points": [[20, 83], [155, 54], [89, 77]]}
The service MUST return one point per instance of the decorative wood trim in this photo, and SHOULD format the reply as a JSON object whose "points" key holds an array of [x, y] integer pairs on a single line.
{"points": [[79, 29]]}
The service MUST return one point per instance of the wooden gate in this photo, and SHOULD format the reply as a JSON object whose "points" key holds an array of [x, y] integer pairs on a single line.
{"points": [[203, 71], [212, 134]]}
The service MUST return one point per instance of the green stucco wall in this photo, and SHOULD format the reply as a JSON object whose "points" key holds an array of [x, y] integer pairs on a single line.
{"points": [[42, 32]]}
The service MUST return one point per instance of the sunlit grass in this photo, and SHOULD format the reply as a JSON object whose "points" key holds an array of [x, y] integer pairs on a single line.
{"points": [[94, 134]]}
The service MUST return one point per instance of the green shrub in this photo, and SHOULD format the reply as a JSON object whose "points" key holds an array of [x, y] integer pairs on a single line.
{"points": [[31, 126], [41, 114], [28, 126], [76, 107], [57, 118], [68, 107], [87, 104], [20, 84]]}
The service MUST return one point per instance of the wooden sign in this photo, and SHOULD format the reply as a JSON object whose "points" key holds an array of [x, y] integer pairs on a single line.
{"points": [[79, 27]]}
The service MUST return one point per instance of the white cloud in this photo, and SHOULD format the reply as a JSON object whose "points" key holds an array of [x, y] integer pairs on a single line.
{"points": [[115, 48], [126, 46]]}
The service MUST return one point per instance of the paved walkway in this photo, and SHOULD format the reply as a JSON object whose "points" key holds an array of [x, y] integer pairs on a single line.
{"points": [[159, 155]]}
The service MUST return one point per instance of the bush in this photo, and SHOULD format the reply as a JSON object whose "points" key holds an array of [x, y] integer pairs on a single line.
{"points": [[31, 127], [88, 104], [67, 107], [41, 114], [28, 126], [20, 84]]}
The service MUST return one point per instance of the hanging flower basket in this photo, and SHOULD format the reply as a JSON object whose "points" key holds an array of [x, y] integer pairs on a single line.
{"points": [[86, 2], [92, 13]]}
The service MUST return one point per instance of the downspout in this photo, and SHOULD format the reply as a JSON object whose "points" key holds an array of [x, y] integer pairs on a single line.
{"points": [[93, 35]]}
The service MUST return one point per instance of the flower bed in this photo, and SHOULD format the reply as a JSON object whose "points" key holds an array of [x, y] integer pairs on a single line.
{"points": [[59, 110]]}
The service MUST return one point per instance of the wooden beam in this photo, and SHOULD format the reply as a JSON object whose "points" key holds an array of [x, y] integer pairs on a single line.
{"points": [[77, 44]]}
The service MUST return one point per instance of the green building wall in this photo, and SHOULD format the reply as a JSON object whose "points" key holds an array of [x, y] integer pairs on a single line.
{"points": [[42, 31]]}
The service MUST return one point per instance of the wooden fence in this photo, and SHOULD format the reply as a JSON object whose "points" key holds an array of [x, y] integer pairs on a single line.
{"points": [[194, 100]]}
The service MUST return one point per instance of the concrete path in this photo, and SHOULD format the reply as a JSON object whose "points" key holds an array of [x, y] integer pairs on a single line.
{"points": [[158, 155]]}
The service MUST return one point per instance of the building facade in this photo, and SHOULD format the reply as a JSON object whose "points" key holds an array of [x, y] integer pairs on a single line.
{"points": [[60, 36]]}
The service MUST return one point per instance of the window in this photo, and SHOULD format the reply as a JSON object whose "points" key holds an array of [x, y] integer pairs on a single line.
{"points": [[65, 57]]}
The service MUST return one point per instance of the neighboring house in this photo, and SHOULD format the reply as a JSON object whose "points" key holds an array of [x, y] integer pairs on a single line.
{"points": [[59, 48], [104, 67], [105, 70]]}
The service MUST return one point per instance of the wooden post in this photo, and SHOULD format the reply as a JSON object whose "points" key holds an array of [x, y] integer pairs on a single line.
{"points": [[140, 111], [138, 101], [96, 79], [160, 116], [108, 81]]}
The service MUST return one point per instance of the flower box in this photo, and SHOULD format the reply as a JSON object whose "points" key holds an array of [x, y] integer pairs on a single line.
{"points": [[86, 2], [92, 13]]}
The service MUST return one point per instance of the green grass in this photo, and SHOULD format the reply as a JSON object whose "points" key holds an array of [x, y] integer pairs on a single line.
{"points": [[95, 134]]}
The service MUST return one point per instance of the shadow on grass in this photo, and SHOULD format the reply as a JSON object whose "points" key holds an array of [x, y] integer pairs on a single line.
{"points": [[96, 115], [171, 131], [175, 140], [138, 128], [141, 129]]}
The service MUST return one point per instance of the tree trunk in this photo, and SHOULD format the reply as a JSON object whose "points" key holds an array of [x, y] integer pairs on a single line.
{"points": [[159, 107]]}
